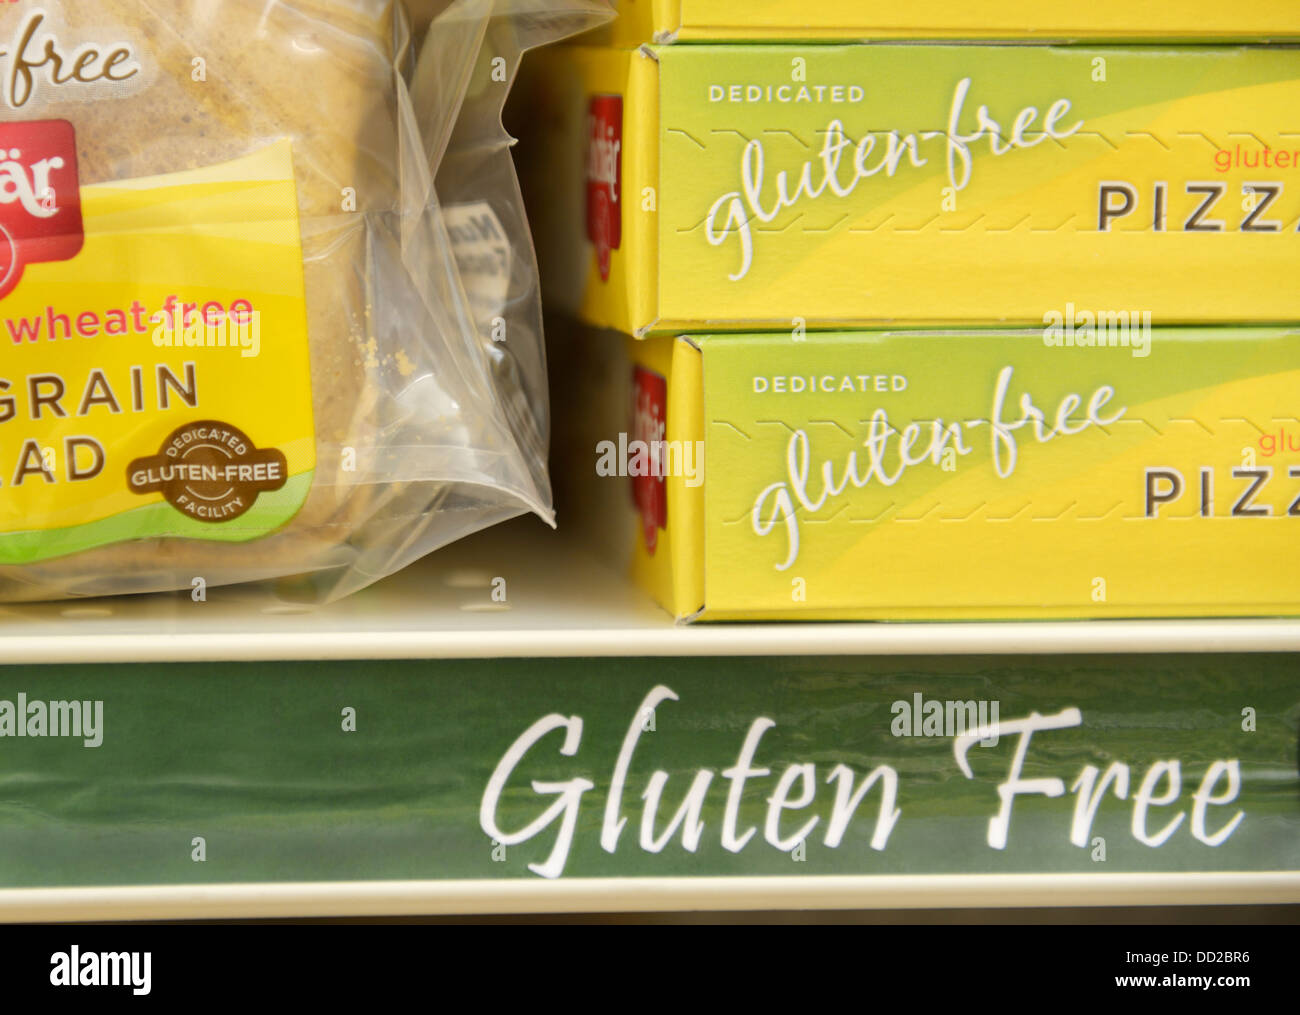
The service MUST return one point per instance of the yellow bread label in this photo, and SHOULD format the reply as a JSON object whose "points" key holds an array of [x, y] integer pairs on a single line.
{"points": [[154, 375]]}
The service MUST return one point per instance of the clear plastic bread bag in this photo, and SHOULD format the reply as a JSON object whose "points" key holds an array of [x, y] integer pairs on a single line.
{"points": [[268, 303]]}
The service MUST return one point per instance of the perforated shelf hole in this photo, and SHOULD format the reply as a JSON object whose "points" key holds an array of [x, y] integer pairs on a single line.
{"points": [[468, 578], [86, 612]]}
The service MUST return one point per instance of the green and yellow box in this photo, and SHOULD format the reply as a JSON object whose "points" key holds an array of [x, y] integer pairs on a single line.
{"points": [[757, 187], [782, 20], [1092, 468]]}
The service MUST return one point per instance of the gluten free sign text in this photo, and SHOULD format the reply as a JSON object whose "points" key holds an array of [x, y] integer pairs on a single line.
{"points": [[806, 800]]}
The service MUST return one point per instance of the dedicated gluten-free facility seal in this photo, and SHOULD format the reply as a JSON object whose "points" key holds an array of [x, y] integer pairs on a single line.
{"points": [[210, 471]]}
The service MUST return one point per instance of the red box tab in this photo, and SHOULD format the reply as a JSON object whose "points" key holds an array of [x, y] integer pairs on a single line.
{"points": [[40, 197], [605, 177], [649, 425]]}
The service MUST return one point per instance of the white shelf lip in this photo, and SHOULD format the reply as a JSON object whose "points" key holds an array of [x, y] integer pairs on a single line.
{"points": [[561, 602], [819, 639], [645, 894]]}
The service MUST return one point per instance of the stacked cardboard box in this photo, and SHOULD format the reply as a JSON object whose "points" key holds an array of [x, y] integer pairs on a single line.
{"points": [[960, 330]]}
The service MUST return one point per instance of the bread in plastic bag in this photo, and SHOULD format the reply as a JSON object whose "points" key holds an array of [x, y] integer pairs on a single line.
{"points": [[238, 343]]}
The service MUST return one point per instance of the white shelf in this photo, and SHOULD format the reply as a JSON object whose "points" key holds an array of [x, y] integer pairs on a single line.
{"points": [[644, 895], [561, 602]]}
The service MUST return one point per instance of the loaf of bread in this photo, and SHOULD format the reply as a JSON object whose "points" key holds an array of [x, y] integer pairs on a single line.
{"points": [[405, 425]]}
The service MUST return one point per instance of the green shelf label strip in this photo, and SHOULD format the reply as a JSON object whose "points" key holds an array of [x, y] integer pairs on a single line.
{"points": [[205, 774]]}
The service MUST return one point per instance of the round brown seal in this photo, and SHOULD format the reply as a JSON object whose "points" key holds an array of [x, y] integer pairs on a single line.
{"points": [[209, 471]]}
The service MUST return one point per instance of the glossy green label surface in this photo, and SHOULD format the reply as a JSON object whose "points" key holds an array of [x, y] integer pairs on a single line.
{"points": [[506, 769]]}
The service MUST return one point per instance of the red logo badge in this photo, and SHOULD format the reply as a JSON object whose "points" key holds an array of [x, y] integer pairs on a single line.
{"points": [[605, 177], [40, 197], [649, 492]]}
